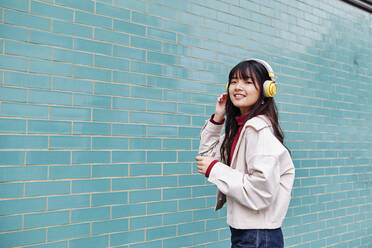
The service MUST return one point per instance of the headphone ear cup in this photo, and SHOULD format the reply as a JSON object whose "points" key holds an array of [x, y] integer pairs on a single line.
{"points": [[269, 88]]}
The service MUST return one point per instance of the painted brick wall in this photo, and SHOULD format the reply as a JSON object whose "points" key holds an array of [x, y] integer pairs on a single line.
{"points": [[101, 105]]}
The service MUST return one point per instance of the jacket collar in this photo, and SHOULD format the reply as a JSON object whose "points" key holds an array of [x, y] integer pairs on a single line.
{"points": [[258, 122]]}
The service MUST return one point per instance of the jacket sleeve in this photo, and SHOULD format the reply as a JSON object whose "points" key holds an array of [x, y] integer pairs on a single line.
{"points": [[257, 188], [211, 140]]}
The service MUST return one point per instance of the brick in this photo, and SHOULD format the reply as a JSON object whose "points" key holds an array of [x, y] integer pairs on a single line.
{"points": [[176, 168], [68, 231], [172, 144], [178, 27], [161, 207], [114, 170], [90, 214], [75, 57], [161, 11], [146, 221], [146, 68], [162, 131], [160, 232], [27, 20], [13, 63], [13, 94], [192, 227], [137, 91], [178, 241], [128, 156], [47, 188], [52, 11], [88, 100], [99, 241], [26, 80], [11, 190], [93, 46], [19, 238], [93, 185], [127, 77], [109, 143], [174, 119], [138, 117], [162, 181], [68, 202], [161, 58], [160, 156], [186, 156], [156, 243], [116, 11], [111, 89], [71, 142], [52, 39], [47, 157], [55, 68], [83, 4], [49, 127], [69, 84], [205, 237], [93, 20], [46, 219], [111, 62], [111, 36], [130, 53], [145, 43], [69, 113], [110, 198], [17, 206], [128, 183], [144, 196], [23, 142], [128, 210], [127, 237], [109, 226], [128, 130], [160, 106], [84, 72], [130, 28], [144, 143], [178, 217], [27, 50], [176, 193], [12, 158], [10, 223], [176, 49], [147, 20], [19, 173], [80, 157], [91, 128]]}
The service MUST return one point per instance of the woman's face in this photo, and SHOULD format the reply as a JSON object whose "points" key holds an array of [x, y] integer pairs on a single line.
{"points": [[243, 93]]}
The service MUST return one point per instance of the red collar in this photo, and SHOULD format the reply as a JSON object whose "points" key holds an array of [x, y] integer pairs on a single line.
{"points": [[240, 119]]}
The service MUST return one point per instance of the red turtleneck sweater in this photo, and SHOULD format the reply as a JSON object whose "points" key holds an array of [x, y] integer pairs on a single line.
{"points": [[241, 120]]}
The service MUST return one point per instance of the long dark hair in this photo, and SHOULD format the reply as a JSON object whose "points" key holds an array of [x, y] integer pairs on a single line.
{"points": [[264, 105]]}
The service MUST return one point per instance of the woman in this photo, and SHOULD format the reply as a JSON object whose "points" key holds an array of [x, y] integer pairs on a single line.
{"points": [[250, 165]]}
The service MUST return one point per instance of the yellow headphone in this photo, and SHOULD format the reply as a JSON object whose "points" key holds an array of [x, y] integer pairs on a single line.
{"points": [[269, 87]]}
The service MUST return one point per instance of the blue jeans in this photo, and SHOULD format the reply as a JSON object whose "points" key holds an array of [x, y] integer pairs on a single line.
{"points": [[256, 238]]}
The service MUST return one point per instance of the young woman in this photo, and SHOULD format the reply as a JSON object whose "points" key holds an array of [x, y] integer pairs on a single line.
{"points": [[250, 165]]}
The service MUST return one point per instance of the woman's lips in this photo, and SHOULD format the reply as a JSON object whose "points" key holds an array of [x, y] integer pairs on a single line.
{"points": [[238, 96]]}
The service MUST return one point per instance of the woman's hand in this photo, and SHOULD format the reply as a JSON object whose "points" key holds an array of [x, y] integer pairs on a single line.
{"points": [[202, 163], [220, 107]]}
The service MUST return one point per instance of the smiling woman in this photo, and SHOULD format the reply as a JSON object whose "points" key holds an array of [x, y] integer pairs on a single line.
{"points": [[250, 165]]}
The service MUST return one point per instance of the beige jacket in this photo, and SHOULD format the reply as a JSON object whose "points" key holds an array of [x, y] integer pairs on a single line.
{"points": [[257, 187]]}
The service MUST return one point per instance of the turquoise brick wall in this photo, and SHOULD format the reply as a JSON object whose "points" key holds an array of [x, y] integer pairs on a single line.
{"points": [[101, 105]]}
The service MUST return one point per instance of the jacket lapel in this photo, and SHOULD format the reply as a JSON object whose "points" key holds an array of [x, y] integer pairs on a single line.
{"points": [[257, 123]]}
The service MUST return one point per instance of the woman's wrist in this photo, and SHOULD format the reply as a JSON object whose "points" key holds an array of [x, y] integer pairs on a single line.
{"points": [[218, 118]]}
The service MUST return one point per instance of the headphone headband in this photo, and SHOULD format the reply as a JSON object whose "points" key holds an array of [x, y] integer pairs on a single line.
{"points": [[267, 66]]}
